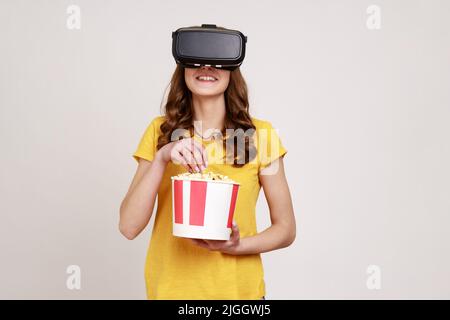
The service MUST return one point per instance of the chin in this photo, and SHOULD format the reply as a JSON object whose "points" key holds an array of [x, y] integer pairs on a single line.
{"points": [[206, 92]]}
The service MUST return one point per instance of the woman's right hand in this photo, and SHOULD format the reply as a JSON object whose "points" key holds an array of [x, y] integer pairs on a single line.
{"points": [[188, 152]]}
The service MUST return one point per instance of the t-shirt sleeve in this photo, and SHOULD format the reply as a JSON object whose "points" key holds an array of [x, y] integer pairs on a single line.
{"points": [[269, 145], [147, 146]]}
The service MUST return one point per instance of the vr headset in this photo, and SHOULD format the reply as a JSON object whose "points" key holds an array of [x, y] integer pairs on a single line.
{"points": [[208, 45]]}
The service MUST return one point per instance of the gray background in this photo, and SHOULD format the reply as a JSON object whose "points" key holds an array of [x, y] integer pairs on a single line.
{"points": [[363, 113]]}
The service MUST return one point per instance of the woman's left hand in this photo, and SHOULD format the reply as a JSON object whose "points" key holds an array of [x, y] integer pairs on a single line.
{"points": [[225, 246]]}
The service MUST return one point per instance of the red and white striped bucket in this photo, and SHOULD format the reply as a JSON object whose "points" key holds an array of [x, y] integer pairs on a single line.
{"points": [[203, 209]]}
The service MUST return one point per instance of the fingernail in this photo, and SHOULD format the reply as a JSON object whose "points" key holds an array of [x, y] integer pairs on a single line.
{"points": [[202, 167], [197, 169]]}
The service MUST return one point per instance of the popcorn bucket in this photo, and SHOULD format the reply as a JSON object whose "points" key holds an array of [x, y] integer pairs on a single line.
{"points": [[203, 209]]}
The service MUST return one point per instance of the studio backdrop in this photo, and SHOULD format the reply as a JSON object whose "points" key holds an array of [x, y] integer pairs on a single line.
{"points": [[359, 93]]}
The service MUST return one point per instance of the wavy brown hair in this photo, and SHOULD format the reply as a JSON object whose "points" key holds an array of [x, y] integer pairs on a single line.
{"points": [[240, 147]]}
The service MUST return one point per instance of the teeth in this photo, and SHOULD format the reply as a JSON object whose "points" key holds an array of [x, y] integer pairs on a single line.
{"points": [[207, 78]]}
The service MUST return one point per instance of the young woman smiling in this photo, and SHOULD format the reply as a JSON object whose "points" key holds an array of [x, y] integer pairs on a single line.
{"points": [[181, 268]]}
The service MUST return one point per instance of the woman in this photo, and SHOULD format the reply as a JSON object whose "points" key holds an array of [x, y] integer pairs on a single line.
{"points": [[181, 268]]}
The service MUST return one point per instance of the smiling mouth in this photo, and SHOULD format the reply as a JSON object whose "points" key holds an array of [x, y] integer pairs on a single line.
{"points": [[206, 78]]}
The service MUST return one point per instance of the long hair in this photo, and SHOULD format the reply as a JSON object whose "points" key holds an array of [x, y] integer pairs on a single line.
{"points": [[179, 115]]}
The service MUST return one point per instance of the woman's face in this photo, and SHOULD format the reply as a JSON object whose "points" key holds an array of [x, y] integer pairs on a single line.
{"points": [[207, 81]]}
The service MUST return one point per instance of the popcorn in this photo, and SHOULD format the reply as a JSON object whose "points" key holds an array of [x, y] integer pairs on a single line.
{"points": [[205, 176]]}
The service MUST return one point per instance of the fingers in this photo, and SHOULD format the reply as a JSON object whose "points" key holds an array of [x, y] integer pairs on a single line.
{"points": [[178, 159], [189, 159], [235, 234], [200, 243], [198, 159], [181, 155], [193, 153], [199, 153], [203, 153]]}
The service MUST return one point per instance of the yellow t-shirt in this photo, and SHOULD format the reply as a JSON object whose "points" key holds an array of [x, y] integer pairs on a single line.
{"points": [[178, 269]]}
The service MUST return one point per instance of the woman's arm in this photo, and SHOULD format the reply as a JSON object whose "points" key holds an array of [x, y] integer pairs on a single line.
{"points": [[137, 206], [280, 234]]}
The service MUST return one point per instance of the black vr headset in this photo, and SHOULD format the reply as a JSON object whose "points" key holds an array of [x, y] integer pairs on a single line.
{"points": [[208, 45]]}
